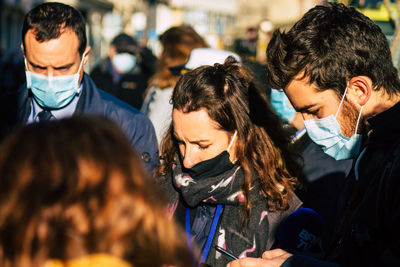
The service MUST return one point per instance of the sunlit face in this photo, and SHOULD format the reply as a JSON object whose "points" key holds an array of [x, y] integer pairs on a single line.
{"points": [[54, 57], [315, 104], [199, 137]]}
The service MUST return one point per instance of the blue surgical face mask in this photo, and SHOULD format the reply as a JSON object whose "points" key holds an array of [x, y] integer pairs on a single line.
{"points": [[326, 133], [124, 62], [53, 91], [280, 104]]}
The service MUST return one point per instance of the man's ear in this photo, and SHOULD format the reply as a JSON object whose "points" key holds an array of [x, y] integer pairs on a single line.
{"points": [[86, 55], [360, 89]]}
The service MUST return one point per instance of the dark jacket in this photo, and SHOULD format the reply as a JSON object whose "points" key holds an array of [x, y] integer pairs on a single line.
{"points": [[324, 178], [92, 101], [367, 231], [201, 195]]}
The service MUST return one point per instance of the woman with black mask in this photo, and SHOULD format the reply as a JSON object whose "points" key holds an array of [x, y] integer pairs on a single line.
{"points": [[226, 167]]}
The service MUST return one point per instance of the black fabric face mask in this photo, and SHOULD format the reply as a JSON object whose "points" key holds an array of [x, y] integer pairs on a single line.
{"points": [[208, 168]]}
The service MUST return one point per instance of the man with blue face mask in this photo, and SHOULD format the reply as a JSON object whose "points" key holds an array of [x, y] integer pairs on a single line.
{"points": [[126, 71], [55, 48], [335, 67], [323, 174]]}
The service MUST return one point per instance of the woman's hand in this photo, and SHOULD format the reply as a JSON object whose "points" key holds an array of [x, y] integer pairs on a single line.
{"points": [[270, 258]]}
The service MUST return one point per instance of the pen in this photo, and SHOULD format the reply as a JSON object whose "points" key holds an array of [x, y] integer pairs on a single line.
{"points": [[226, 253]]}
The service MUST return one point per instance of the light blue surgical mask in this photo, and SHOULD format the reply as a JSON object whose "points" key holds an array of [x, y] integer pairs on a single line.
{"points": [[326, 133], [53, 91], [280, 104], [124, 62]]}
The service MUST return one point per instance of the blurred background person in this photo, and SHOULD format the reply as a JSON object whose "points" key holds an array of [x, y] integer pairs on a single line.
{"points": [[73, 193], [177, 43], [226, 162], [125, 73], [247, 49]]}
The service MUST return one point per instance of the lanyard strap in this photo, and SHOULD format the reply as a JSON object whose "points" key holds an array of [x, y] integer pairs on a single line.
{"points": [[211, 234]]}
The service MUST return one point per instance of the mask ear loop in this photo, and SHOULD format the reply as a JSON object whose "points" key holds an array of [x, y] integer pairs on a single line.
{"points": [[231, 143], [341, 102], [27, 74], [80, 65], [79, 70], [26, 64]]}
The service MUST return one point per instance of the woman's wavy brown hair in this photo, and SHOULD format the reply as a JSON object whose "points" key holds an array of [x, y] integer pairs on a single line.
{"points": [[74, 187], [177, 43], [233, 101]]}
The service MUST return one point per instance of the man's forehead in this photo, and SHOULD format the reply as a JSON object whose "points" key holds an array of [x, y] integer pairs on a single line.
{"points": [[63, 49], [300, 85], [66, 36], [301, 93]]}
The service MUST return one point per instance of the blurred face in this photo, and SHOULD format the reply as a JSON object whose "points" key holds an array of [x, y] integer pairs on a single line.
{"points": [[315, 104], [55, 57], [199, 137]]}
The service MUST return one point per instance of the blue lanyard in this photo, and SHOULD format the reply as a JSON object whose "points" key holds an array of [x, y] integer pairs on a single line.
{"points": [[210, 237]]}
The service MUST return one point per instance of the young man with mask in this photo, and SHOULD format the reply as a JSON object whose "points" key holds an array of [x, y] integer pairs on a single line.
{"points": [[335, 67], [323, 174], [125, 73], [55, 48]]}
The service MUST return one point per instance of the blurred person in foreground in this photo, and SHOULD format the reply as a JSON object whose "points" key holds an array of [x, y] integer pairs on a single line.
{"points": [[177, 43], [226, 167], [55, 48], [74, 193], [126, 71], [335, 66]]}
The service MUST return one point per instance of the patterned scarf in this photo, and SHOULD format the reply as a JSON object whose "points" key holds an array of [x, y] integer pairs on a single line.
{"points": [[258, 234]]}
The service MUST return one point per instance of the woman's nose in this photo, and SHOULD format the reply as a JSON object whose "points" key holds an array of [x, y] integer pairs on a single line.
{"points": [[189, 159]]}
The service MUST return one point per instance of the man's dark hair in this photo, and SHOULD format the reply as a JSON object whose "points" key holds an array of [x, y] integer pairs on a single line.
{"points": [[332, 44], [49, 20], [124, 43]]}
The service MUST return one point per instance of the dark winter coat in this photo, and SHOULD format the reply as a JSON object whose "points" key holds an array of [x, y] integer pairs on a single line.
{"points": [[15, 109], [367, 231]]}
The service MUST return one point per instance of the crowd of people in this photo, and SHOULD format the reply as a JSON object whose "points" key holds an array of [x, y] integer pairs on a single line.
{"points": [[227, 163]]}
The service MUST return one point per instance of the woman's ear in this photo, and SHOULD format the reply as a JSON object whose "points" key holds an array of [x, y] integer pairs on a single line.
{"points": [[360, 88]]}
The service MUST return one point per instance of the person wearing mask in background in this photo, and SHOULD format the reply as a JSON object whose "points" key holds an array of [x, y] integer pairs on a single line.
{"points": [[336, 68], [74, 194], [324, 176], [55, 47], [125, 73], [177, 43], [226, 168], [247, 50]]}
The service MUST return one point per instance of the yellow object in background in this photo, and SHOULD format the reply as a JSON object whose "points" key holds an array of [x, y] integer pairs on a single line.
{"points": [[95, 260], [378, 14]]}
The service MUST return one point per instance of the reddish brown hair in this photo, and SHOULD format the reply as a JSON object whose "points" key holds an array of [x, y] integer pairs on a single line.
{"points": [[74, 187], [235, 104], [177, 44]]}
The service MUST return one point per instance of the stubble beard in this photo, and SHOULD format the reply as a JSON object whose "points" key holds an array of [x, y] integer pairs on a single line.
{"points": [[349, 115]]}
